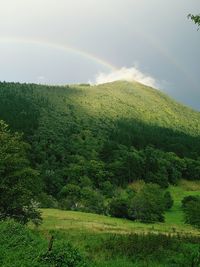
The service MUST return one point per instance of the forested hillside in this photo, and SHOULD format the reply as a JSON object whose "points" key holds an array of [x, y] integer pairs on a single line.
{"points": [[89, 143]]}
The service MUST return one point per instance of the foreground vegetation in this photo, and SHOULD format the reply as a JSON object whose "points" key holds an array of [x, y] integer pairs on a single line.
{"points": [[94, 249], [85, 239], [105, 241]]}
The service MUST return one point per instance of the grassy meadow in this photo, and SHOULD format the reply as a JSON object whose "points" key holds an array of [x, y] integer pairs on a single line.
{"points": [[89, 231], [87, 222]]}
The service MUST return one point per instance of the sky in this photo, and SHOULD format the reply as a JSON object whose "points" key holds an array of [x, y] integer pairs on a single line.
{"points": [[97, 41]]}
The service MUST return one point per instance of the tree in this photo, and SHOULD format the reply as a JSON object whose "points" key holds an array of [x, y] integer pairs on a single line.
{"points": [[195, 19], [191, 211], [155, 167], [70, 195], [91, 201], [192, 169], [19, 183], [189, 199], [148, 205], [107, 189], [119, 207]]}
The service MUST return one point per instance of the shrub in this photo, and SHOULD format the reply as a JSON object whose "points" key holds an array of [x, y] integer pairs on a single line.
{"points": [[191, 210], [148, 205], [47, 201], [70, 196], [188, 199], [63, 255], [119, 208], [168, 200], [154, 249], [107, 189], [20, 246], [91, 201]]}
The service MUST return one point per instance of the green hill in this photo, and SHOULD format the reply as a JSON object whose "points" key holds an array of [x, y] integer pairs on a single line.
{"points": [[99, 149], [24, 106], [100, 138]]}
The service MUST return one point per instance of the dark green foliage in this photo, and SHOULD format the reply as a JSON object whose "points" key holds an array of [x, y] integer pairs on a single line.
{"points": [[99, 137], [192, 169], [18, 108], [72, 193], [19, 246], [119, 207], [137, 133], [148, 205], [168, 200], [154, 249], [191, 208], [188, 199], [195, 19], [47, 201], [92, 201], [63, 255], [192, 213], [86, 199], [19, 183], [107, 189]]}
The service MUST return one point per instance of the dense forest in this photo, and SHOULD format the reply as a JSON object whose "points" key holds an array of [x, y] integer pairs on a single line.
{"points": [[87, 144]]}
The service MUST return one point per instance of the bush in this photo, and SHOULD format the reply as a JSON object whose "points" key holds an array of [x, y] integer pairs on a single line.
{"points": [[47, 201], [63, 255], [107, 189], [191, 208], [91, 201], [188, 199], [19, 246], [168, 200], [148, 205], [119, 208], [70, 196], [153, 249]]}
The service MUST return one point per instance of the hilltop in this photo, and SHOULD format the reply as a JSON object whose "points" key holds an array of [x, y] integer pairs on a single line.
{"points": [[24, 107]]}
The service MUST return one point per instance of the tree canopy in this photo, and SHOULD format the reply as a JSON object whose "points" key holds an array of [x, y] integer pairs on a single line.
{"points": [[18, 181]]}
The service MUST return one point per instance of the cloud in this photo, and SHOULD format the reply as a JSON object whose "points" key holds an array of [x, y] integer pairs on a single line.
{"points": [[126, 74]]}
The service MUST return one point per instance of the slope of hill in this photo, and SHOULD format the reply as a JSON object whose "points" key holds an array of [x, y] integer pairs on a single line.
{"points": [[102, 105], [98, 138]]}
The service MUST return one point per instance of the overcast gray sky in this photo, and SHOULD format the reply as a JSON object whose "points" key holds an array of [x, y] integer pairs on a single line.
{"points": [[72, 41]]}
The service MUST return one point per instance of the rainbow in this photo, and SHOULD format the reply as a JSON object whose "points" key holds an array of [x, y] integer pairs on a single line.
{"points": [[64, 47], [67, 48]]}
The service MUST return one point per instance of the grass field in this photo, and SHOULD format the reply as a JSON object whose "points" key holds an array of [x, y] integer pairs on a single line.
{"points": [[86, 222], [88, 231]]}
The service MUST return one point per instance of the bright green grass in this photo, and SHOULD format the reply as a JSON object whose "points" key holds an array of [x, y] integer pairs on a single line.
{"points": [[175, 215], [87, 231], [86, 222]]}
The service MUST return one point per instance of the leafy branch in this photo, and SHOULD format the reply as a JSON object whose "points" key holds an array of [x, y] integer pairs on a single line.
{"points": [[195, 19]]}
